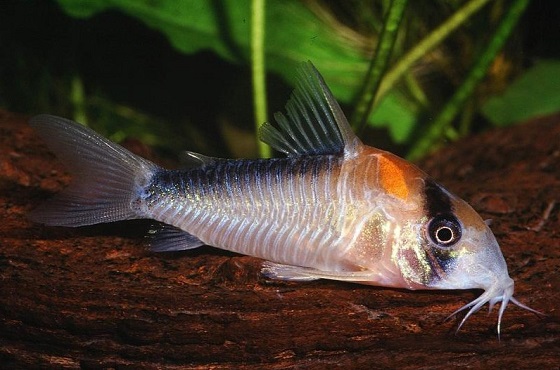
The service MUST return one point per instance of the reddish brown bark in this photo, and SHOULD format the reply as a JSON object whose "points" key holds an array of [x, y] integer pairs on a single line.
{"points": [[95, 297]]}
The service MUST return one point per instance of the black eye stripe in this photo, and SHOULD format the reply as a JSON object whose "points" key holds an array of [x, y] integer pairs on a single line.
{"points": [[437, 200], [438, 206]]}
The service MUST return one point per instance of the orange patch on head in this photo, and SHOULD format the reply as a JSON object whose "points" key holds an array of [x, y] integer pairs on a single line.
{"points": [[391, 177]]}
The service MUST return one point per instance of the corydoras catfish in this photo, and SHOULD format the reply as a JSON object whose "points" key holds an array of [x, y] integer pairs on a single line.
{"points": [[332, 208]]}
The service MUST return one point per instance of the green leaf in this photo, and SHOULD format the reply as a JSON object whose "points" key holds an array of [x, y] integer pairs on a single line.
{"points": [[395, 113], [535, 93], [293, 34]]}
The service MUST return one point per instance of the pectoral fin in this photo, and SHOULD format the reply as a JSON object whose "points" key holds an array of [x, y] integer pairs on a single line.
{"points": [[297, 273]]}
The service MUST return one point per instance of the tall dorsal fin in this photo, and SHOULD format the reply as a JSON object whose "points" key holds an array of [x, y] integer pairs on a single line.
{"points": [[314, 123]]}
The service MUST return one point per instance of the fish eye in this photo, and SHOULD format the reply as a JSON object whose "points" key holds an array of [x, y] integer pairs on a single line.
{"points": [[444, 230]]}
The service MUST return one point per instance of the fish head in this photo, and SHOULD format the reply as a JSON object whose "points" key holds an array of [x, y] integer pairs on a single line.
{"points": [[464, 249], [452, 247]]}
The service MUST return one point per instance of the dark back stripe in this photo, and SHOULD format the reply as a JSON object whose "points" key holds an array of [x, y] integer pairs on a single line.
{"points": [[437, 200], [235, 178]]}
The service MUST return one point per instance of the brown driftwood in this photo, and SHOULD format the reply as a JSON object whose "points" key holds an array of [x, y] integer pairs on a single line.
{"points": [[95, 297]]}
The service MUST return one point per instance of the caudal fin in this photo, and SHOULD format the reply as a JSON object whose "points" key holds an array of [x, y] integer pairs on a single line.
{"points": [[105, 176]]}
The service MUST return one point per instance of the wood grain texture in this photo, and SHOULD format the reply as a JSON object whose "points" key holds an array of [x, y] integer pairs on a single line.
{"points": [[96, 297]]}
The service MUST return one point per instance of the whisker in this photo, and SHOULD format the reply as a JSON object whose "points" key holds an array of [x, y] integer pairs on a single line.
{"points": [[525, 307], [473, 310], [500, 314], [492, 298]]}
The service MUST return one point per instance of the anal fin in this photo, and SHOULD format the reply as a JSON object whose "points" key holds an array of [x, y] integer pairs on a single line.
{"points": [[167, 238]]}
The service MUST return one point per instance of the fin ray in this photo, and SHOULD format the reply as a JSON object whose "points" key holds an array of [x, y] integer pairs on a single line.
{"points": [[280, 271], [167, 238], [104, 175], [313, 124]]}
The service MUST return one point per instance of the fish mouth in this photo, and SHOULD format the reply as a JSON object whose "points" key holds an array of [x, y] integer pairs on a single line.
{"points": [[500, 291]]}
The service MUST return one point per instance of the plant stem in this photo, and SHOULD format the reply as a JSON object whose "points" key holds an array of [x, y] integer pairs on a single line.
{"points": [[378, 63], [416, 90], [427, 44], [78, 98], [258, 71], [477, 72]]}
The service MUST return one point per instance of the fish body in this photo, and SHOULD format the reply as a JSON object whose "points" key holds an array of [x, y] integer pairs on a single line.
{"points": [[333, 208], [320, 212]]}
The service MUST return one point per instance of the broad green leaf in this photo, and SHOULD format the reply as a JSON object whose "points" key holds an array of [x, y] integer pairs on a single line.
{"points": [[535, 93], [293, 34], [397, 115]]}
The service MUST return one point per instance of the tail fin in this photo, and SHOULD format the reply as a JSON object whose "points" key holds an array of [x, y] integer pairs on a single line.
{"points": [[105, 176]]}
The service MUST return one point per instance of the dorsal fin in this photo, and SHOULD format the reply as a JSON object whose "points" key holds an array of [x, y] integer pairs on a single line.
{"points": [[314, 123]]}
